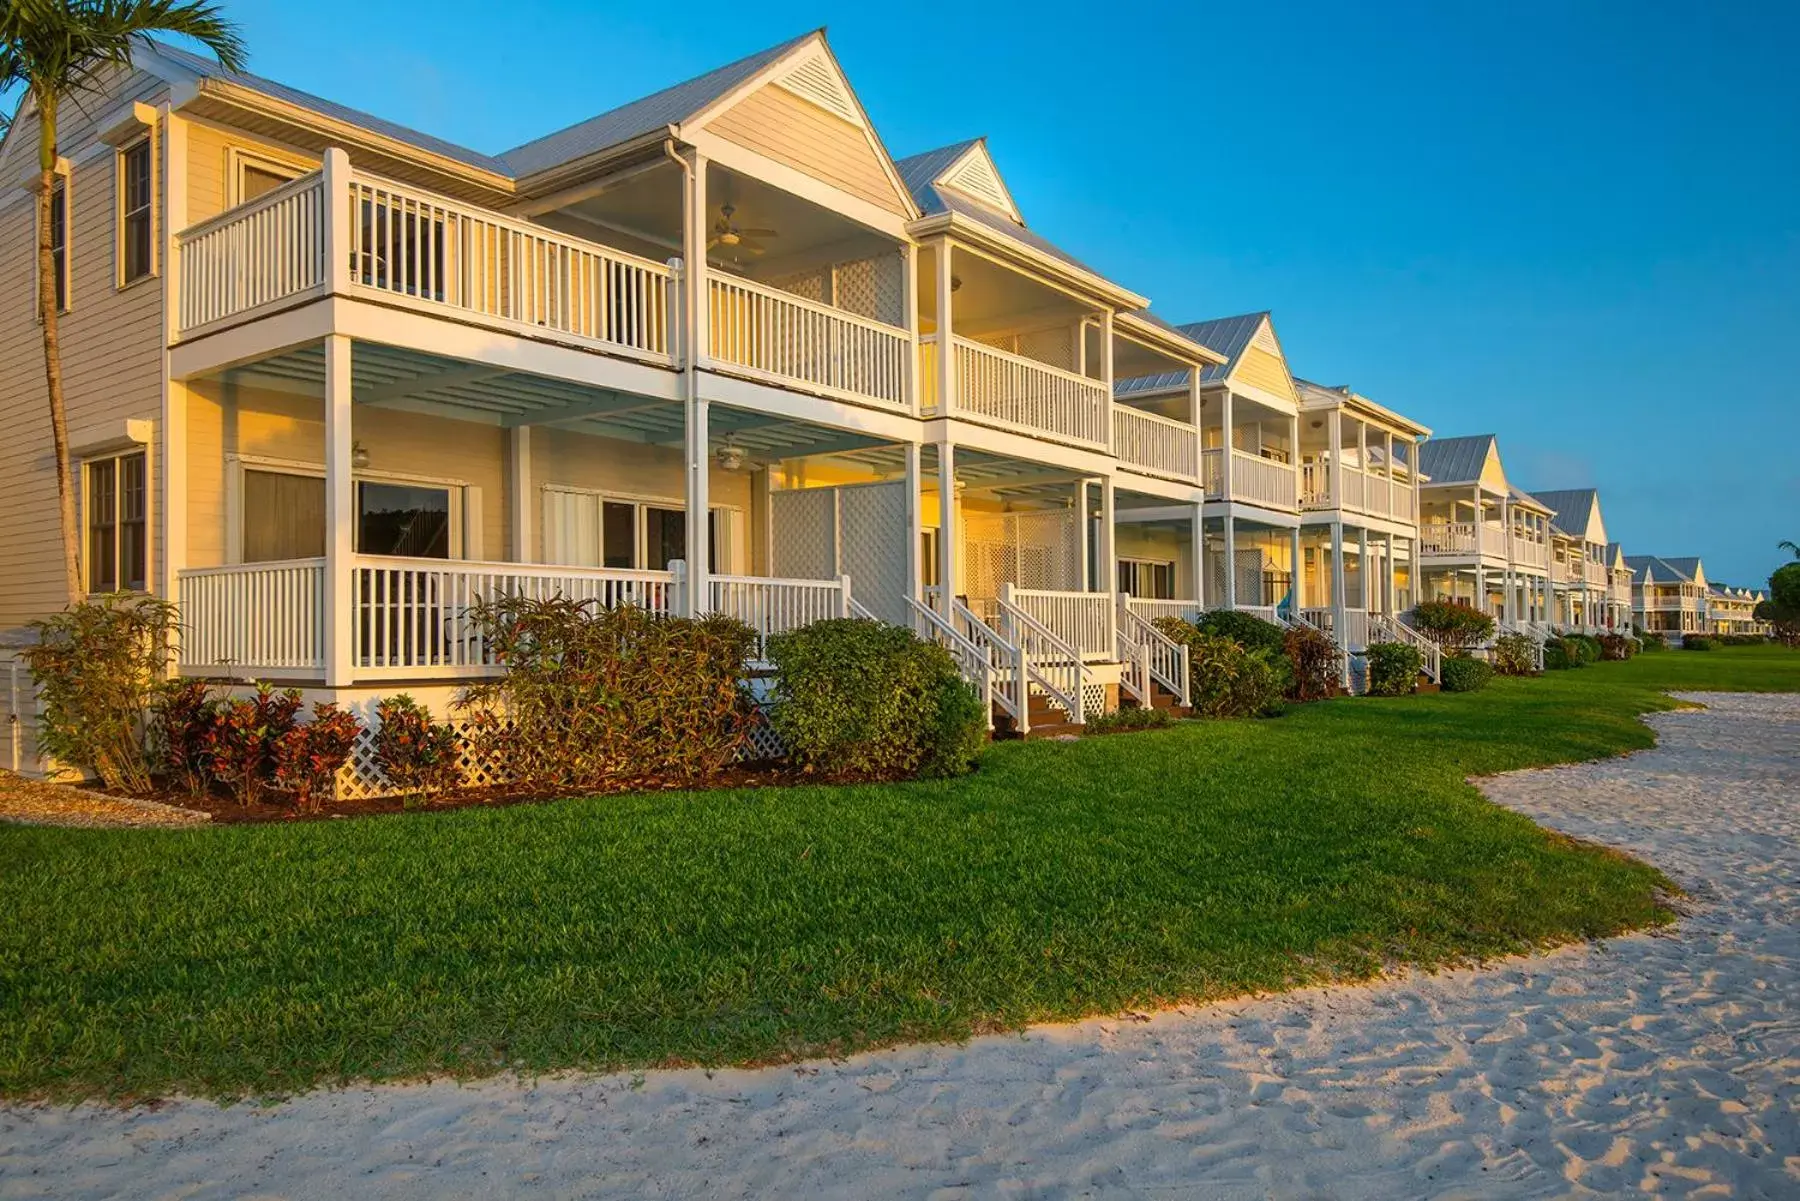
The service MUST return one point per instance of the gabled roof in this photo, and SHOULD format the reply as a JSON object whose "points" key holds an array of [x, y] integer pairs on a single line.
{"points": [[199, 67], [1343, 394], [1522, 497], [963, 169], [1574, 508], [1615, 554], [1459, 460], [1229, 336], [1656, 569], [671, 106]]}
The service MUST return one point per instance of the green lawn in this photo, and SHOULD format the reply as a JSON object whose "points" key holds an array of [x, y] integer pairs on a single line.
{"points": [[1063, 879]]}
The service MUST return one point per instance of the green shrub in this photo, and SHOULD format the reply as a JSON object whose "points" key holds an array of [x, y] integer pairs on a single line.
{"points": [[416, 753], [1739, 639], [1514, 655], [1650, 642], [1698, 642], [240, 743], [1127, 718], [592, 696], [1229, 680], [97, 665], [1617, 648], [181, 718], [871, 699], [1313, 664], [1560, 654], [1246, 629], [1393, 668], [1586, 646], [1452, 624], [308, 757], [1464, 674]]}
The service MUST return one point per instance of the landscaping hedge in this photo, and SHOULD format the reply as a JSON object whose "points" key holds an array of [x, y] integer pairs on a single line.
{"points": [[1698, 642], [1466, 675], [1226, 678], [1393, 668], [1513, 655]]}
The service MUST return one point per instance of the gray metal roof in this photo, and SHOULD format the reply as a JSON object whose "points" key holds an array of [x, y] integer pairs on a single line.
{"points": [[1456, 460], [202, 67], [1229, 336], [919, 171], [1573, 507], [1656, 568], [670, 106]]}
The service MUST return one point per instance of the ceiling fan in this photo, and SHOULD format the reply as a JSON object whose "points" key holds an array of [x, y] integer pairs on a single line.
{"points": [[727, 233]]}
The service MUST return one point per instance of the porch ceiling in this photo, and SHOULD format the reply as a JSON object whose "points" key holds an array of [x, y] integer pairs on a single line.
{"points": [[392, 377]]}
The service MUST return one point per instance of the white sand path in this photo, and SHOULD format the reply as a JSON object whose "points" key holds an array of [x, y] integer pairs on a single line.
{"points": [[1666, 1064]]}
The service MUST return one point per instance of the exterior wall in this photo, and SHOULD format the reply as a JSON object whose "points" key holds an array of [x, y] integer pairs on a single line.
{"points": [[210, 187], [1262, 369], [775, 122], [112, 343]]}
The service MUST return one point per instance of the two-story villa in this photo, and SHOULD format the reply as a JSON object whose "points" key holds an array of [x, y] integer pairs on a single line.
{"points": [[1580, 577], [1668, 595], [1482, 541]]}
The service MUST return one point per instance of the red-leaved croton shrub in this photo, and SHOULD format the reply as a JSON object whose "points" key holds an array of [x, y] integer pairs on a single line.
{"points": [[240, 746], [1453, 625], [416, 753], [308, 757]]}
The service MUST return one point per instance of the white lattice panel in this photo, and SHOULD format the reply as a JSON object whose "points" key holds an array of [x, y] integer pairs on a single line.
{"points": [[874, 533], [808, 285], [803, 534], [873, 288], [1039, 550]]}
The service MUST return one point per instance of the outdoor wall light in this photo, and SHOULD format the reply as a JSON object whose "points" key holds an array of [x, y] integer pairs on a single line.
{"points": [[359, 455]]}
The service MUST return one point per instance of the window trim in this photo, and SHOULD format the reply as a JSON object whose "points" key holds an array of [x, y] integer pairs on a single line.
{"points": [[273, 162], [736, 533], [237, 465], [120, 156], [116, 457], [63, 179]]}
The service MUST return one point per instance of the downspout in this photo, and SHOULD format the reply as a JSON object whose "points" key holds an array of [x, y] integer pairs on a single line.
{"points": [[688, 361]]}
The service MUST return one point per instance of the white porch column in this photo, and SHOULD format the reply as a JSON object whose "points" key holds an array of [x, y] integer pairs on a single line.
{"points": [[698, 443], [1334, 467], [340, 517], [1198, 566], [1388, 462], [1081, 534], [1225, 464], [909, 269], [915, 524], [946, 351], [172, 455], [1337, 576], [1296, 572], [1387, 601], [1362, 569], [519, 453], [1230, 597], [947, 549], [1108, 567]]}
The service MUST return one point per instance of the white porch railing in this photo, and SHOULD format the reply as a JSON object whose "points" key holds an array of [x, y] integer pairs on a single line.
{"points": [[412, 615], [1261, 481], [1085, 620], [418, 248], [1363, 492], [1006, 658], [1529, 551], [1353, 637], [254, 617], [1156, 445], [1017, 393], [1051, 664], [1165, 661], [258, 253], [776, 606], [1268, 613], [974, 662], [788, 339], [1150, 609], [1447, 538]]}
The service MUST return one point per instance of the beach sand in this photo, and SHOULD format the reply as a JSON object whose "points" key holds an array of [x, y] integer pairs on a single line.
{"points": [[1667, 1064]]}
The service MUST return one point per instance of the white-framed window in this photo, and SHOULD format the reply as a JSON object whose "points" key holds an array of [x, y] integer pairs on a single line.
{"points": [[281, 514], [115, 492], [586, 528], [1147, 579], [136, 248], [254, 173]]}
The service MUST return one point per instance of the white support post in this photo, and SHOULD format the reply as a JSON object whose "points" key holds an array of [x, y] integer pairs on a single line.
{"points": [[1297, 572], [1106, 374], [340, 516], [1225, 464], [1388, 605], [1362, 569], [909, 267], [946, 342], [947, 549], [172, 458], [519, 448], [1479, 524], [1334, 467], [1230, 597], [698, 443], [1362, 461], [1388, 463], [1082, 523], [335, 178], [915, 523], [1198, 566], [1108, 567], [1337, 576]]}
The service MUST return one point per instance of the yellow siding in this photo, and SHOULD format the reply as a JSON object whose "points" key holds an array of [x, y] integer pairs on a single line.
{"points": [[1262, 369], [774, 122], [209, 157], [111, 347], [1491, 474]]}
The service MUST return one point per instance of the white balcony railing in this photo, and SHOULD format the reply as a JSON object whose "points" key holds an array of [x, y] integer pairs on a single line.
{"points": [[1156, 445], [1529, 552], [266, 618], [776, 606], [787, 339], [1261, 481], [1013, 392], [1085, 620], [256, 254], [1363, 492], [420, 249], [1447, 538], [1150, 609]]}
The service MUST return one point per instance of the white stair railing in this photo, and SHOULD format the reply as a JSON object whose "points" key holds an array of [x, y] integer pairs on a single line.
{"points": [[1302, 619], [1051, 664], [1165, 660], [1012, 685], [975, 662], [1395, 630]]}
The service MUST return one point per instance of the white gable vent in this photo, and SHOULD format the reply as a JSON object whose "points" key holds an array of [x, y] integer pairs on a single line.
{"points": [[975, 177], [1265, 338], [817, 81]]}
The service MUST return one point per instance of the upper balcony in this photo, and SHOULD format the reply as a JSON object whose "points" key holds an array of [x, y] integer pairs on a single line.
{"points": [[1357, 457], [1372, 493]]}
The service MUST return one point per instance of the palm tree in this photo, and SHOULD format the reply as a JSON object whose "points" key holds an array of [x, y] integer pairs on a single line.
{"points": [[1792, 548], [54, 50]]}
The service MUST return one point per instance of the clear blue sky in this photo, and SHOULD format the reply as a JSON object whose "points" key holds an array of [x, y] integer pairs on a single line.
{"points": [[1576, 225]]}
